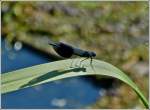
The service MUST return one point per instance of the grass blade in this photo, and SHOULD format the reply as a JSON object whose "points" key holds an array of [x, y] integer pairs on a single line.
{"points": [[43, 73]]}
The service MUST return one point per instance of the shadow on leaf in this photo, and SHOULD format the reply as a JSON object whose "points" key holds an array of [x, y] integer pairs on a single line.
{"points": [[51, 75]]}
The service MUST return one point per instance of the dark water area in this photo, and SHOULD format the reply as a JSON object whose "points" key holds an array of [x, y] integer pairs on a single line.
{"points": [[67, 93]]}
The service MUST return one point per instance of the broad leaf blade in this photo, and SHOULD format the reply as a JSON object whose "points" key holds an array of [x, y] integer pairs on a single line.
{"points": [[43, 73]]}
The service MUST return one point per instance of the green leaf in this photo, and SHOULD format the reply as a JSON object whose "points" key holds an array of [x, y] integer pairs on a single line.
{"points": [[43, 73]]}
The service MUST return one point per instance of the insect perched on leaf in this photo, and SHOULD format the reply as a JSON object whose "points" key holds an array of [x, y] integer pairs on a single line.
{"points": [[67, 51]]}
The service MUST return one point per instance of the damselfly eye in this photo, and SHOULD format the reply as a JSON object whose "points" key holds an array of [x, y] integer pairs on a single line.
{"points": [[93, 54]]}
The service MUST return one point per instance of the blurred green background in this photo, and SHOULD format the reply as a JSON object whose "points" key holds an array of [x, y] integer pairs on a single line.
{"points": [[116, 31]]}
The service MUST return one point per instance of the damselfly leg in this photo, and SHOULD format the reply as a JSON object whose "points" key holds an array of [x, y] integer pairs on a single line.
{"points": [[91, 60], [91, 64], [82, 61]]}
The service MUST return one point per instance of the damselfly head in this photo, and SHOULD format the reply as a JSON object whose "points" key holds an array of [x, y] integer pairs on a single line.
{"points": [[93, 54]]}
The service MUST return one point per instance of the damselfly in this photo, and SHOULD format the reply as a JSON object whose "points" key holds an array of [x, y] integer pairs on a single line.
{"points": [[66, 51]]}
